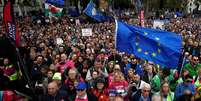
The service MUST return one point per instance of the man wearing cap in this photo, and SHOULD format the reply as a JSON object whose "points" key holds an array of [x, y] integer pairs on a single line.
{"points": [[82, 94]]}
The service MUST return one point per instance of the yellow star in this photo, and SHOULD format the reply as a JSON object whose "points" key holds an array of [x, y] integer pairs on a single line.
{"points": [[146, 53], [139, 50], [153, 54], [145, 33], [157, 38], [159, 51], [136, 43]]}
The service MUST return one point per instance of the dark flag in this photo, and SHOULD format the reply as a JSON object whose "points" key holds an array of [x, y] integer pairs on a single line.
{"points": [[10, 23]]}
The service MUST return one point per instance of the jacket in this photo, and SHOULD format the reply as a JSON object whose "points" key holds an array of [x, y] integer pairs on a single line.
{"points": [[137, 96], [102, 96], [192, 70], [60, 96]]}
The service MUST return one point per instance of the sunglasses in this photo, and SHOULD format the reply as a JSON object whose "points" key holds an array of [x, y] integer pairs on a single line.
{"points": [[79, 89], [195, 59], [146, 90]]}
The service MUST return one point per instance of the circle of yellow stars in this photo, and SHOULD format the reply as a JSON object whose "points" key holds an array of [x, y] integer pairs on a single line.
{"points": [[154, 54]]}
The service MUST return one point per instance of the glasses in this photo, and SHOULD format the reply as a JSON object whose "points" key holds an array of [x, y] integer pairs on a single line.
{"points": [[195, 59], [146, 90], [80, 90], [189, 81]]}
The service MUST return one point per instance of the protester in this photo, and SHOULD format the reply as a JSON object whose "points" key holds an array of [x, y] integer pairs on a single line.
{"points": [[118, 86], [100, 90], [98, 66], [165, 92], [185, 89], [193, 66], [71, 82], [143, 94], [54, 94], [83, 94]]}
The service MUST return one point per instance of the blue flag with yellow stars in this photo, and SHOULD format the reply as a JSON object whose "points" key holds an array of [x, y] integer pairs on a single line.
{"points": [[160, 47], [92, 11]]}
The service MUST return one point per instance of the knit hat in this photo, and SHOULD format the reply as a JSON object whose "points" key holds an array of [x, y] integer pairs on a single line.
{"points": [[57, 76]]}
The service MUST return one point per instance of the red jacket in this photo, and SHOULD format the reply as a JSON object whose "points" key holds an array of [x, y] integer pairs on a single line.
{"points": [[102, 96]]}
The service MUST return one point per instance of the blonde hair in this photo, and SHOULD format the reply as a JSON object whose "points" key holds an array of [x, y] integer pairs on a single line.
{"points": [[118, 74]]}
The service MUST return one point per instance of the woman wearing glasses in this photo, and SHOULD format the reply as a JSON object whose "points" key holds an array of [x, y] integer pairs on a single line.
{"points": [[143, 94]]}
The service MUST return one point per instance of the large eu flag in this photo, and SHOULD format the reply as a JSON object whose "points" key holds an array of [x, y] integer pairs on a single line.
{"points": [[160, 47], [92, 11]]}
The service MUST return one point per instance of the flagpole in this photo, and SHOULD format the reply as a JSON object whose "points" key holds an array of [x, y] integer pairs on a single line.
{"points": [[183, 62]]}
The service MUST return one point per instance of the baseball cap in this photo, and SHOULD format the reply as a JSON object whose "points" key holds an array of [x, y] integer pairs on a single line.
{"points": [[81, 85], [57, 76]]}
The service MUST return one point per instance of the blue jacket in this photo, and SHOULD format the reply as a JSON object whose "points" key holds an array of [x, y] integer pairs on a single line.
{"points": [[182, 87]]}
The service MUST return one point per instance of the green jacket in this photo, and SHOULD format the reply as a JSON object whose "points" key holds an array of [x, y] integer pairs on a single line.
{"points": [[155, 84], [192, 70]]}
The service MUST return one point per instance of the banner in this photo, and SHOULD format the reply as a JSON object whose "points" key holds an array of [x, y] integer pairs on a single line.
{"points": [[9, 21], [59, 41], [87, 32]]}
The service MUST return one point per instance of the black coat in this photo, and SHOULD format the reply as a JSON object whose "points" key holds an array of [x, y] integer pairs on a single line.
{"points": [[60, 96], [137, 96]]}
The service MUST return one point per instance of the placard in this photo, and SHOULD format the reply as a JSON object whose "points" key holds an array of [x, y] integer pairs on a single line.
{"points": [[87, 32]]}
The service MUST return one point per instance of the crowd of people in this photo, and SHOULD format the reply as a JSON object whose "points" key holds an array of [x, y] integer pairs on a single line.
{"points": [[89, 68]]}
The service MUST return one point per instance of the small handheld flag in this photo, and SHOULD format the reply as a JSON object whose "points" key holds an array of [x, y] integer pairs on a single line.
{"points": [[94, 13], [54, 7]]}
